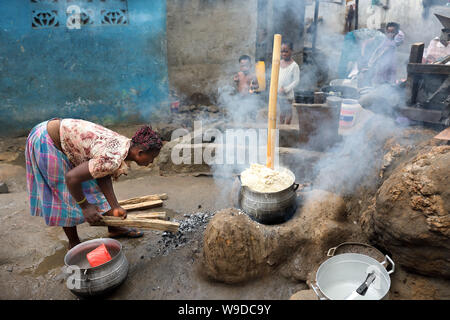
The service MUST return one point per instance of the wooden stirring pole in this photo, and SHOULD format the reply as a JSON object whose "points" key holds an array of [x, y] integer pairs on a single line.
{"points": [[272, 116]]}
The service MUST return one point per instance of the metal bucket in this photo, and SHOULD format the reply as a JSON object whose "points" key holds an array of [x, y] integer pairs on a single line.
{"points": [[269, 207], [338, 277], [88, 281]]}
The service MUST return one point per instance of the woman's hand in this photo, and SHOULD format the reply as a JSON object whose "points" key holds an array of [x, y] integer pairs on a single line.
{"points": [[91, 213], [119, 212]]}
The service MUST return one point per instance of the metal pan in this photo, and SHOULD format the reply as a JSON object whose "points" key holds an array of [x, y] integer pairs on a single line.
{"points": [[340, 275]]}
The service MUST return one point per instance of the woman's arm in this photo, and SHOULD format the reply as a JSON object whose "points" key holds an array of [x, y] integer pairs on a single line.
{"points": [[106, 186], [74, 178]]}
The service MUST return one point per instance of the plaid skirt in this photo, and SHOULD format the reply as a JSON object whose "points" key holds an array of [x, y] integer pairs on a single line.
{"points": [[48, 193]]}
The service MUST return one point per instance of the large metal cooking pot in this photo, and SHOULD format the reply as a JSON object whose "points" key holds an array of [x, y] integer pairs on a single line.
{"points": [[339, 276], [270, 207], [89, 281]]}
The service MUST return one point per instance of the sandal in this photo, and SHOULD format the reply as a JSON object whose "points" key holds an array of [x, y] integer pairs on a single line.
{"points": [[130, 233]]}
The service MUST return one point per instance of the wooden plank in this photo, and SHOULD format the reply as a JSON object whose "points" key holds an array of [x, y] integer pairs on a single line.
{"points": [[444, 135], [420, 68], [139, 216], [416, 53], [153, 224], [150, 197], [147, 215], [432, 116], [143, 205], [412, 84]]}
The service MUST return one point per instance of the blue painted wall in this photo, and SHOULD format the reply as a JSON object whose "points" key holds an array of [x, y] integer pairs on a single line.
{"points": [[102, 72]]}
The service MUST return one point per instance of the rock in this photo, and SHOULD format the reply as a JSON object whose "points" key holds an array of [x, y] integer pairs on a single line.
{"points": [[404, 146], [3, 188], [171, 152], [411, 213], [410, 286], [304, 295], [184, 109], [8, 156], [166, 131], [213, 109], [10, 171], [214, 116], [199, 98]]}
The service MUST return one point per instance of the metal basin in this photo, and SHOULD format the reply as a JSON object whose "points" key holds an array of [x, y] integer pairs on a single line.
{"points": [[269, 207], [342, 274], [88, 281]]}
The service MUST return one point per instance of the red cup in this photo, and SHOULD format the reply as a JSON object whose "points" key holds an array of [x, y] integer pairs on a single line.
{"points": [[98, 256]]}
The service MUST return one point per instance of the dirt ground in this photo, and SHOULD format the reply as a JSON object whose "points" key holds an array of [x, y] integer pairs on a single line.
{"points": [[31, 253]]}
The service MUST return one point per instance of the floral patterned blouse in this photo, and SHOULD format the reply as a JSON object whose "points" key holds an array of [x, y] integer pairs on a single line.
{"points": [[105, 149]]}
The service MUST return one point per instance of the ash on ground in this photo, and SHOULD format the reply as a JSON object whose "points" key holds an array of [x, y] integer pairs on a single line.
{"points": [[192, 225]]}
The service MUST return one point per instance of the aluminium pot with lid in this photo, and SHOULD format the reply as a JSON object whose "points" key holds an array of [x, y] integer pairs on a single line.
{"points": [[339, 277], [269, 207]]}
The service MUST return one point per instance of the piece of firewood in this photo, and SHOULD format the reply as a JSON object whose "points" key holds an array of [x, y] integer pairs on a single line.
{"points": [[148, 215], [150, 197], [143, 205], [153, 224]]}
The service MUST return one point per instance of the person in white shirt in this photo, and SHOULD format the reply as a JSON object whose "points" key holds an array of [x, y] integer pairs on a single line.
{"points": [[438, 49], [289, 77]]}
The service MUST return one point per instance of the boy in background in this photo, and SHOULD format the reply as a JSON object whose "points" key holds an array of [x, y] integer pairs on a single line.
{"points": [[246, 103], [245, 80]]}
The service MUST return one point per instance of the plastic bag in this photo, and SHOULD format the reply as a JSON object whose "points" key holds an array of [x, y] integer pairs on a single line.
{"points": [[98, 256]]}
